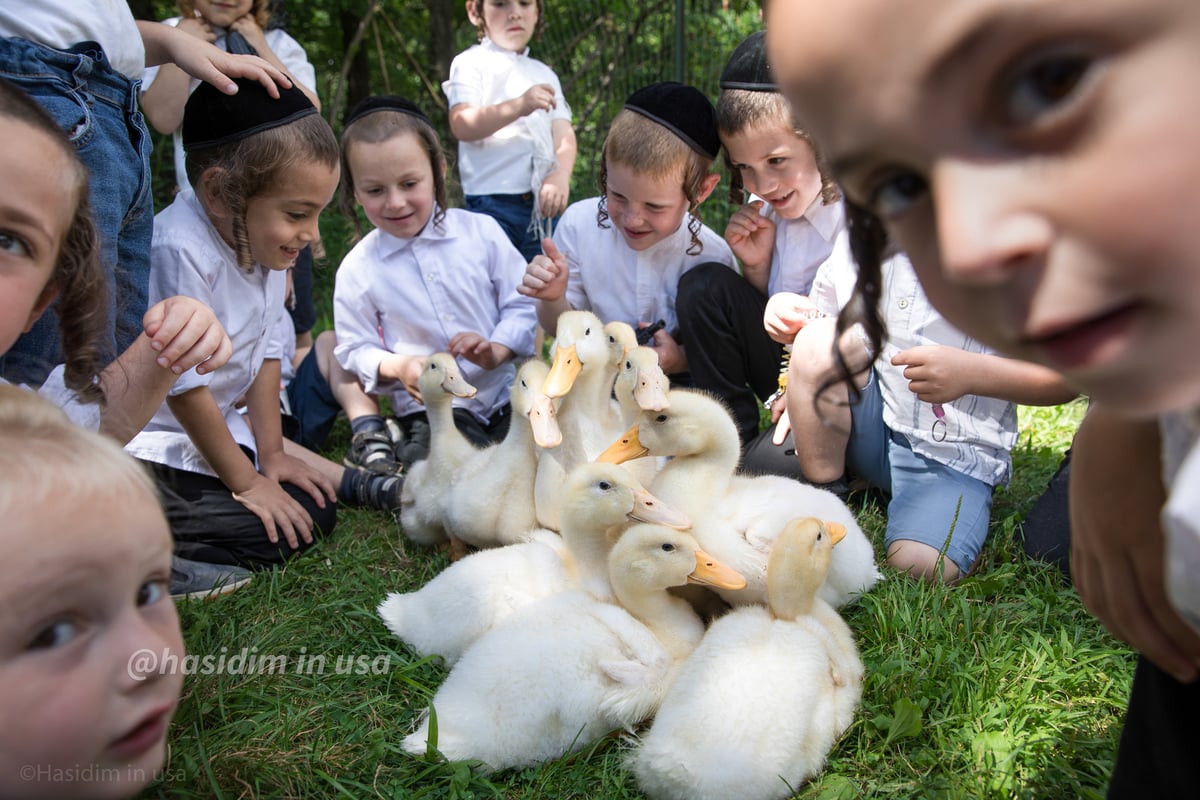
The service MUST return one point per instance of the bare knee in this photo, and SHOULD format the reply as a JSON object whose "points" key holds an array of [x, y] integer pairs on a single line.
{"points": [[922, 561]]}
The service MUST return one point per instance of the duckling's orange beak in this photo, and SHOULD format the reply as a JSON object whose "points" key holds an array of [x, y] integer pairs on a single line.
{"points": [[563, 372], [836, 530], [457, 386], [710, 572], [648, 508], [624, 449], [544, 422]]}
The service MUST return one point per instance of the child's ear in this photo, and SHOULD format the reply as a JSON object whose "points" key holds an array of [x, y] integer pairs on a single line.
{"points": [[707, 187], [49, 292], [475, 19], [210, 194]]}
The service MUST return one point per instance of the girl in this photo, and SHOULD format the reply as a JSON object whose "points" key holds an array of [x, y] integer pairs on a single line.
{"points": [[84, 591], [621, 255], [426, 279], [263, 169], [1041, 172]]}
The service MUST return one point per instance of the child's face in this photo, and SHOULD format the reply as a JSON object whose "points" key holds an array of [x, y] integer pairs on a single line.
{"points": [[645, 208], [509, 23], [280, 223], [223, 13], [394, 183], [84, 592], [1035, 159], [777, 165], [38, 198]]}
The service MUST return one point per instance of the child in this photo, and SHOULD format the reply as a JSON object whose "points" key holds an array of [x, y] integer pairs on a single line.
{"points": [[621, 255], [81, 62], [781, 238], [933, 421], [263, 170], [1037, 164], [426, 279], [516, 146], [84, 590]]}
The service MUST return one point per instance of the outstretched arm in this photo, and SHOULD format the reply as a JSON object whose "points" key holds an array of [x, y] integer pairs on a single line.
{"points": [[198, 58], [942, 374]]}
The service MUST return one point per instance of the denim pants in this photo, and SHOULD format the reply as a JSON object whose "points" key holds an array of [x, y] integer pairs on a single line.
{"points": [[514, 212], [97, 107]]}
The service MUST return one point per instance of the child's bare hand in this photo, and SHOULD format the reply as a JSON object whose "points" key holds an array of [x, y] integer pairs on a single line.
{"points": [[474, 348], [198, 27], [283, 468], [783, 424], [786, 314], [935, 373], [546, 276], [539, 97], [552, 199], [750, 235], [213, 65], [248, 27], [186, 333], [279, 511], [410, 377], [671, 357]]}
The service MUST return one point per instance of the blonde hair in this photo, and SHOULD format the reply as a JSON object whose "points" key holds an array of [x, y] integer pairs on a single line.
{"points": [[252, 166], [741, 110], [648, 148], [260, 9], [44, 457]]}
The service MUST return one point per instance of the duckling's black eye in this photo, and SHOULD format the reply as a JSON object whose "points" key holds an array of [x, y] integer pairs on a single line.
{"points": [[628, 365], [524, 385], [661, 418], [587, 331], [604, 485], [668, 547]]}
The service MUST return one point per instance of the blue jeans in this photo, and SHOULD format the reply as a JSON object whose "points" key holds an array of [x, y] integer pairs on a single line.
{"points": [[514, 212], [930, 501], [97, 107]]}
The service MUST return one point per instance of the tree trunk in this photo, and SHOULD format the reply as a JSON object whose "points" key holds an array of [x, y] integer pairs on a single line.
{"points": [[441, 37], [358, 78]]}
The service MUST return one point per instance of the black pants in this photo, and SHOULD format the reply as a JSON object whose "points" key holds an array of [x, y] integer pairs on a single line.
{"points": [[415, 427], [209, 525], [1157, 757], [729, 352], [1046, 530]]}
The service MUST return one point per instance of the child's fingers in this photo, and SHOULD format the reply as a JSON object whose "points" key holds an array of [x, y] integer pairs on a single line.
{"points": [[782, 428], [264, 516], [552, 252], [218, 355]]}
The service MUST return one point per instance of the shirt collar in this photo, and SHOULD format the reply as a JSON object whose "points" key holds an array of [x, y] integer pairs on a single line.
{"points": [[389, 245], [826, 219], [489, 44]]}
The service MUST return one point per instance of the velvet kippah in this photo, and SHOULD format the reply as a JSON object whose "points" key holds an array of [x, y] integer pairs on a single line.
{"points": [[682, 109], [213, 118], [747, 68], [386, 102]]}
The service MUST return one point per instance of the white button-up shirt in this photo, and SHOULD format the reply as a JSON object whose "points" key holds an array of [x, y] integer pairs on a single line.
{"points": [[620, 284], [411, 296], [802, 245], [189, 257]]}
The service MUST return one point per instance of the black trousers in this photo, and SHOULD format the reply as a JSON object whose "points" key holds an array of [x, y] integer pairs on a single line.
{"points": [[729, 352], [209, 525], [414, 446], [1158, 753]]}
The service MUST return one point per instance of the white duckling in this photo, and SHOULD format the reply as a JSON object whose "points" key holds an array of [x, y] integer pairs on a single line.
{"points": [[582, 376], [490, 502], [428, 481], [736, 517], [758, 705], [560, 673], [641, 384], [476, 593]]}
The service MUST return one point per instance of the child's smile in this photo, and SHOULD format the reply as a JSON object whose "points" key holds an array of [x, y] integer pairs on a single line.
{"points": [[1034, 160], [777, 165], [645, 208], [394, 183]]}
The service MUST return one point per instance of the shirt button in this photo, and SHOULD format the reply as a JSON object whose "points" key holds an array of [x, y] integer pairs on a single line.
{"points": [[903, 303]]}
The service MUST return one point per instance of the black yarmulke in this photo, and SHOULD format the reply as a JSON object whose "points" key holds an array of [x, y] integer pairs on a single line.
{"points": [[747, 68], [213, 118], [682, 109], [386, 102]]}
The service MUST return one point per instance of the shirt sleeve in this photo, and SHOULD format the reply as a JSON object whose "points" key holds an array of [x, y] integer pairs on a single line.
{"points": [[180, 269], [465, 85], [568, 240], [516, 328], [356, 323], [291, 54]]}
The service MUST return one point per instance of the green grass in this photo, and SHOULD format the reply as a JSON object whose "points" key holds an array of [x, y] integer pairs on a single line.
{"points": [[1001, 687]]}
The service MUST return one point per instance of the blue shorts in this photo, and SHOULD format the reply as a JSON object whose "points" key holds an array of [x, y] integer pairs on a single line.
{"points": [[97, 107], [930, 501], [313, 406], [514, 212]]}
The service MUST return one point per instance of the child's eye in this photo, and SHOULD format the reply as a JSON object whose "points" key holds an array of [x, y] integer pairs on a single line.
{"points": [[297, 215], [776, 161], [151, 592], [1043, 86], [14, 245], [55, 635], [895, 194]]}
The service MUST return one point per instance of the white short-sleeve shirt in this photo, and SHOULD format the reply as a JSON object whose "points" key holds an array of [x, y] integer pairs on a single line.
{"points": [[484, 75], [411, 296], [189, 257], [620, 284], [62, 24], [290, 53]]}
